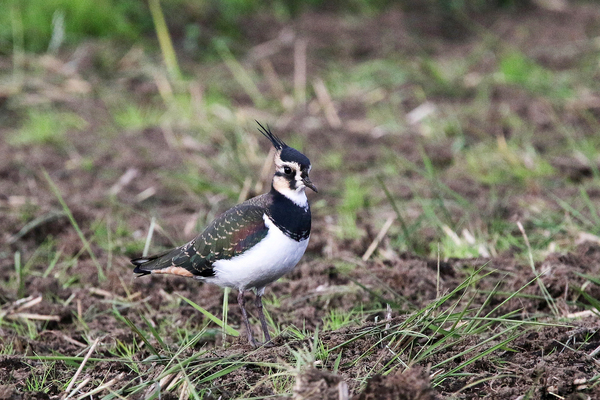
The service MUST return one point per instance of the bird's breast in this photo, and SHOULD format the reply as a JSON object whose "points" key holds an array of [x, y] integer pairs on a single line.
{"points": [[267, 261]]}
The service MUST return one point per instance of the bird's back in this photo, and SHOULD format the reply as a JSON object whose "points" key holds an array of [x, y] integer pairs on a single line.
{"points": [[229, 235]]}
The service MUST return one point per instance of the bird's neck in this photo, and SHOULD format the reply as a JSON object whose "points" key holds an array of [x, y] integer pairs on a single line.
{"points": [[298, 197], [290, 212]]}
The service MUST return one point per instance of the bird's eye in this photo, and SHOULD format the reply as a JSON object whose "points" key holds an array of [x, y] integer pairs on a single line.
{"points": [[287, 170]]}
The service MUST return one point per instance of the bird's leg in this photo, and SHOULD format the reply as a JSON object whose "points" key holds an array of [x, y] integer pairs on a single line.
{"points": [[261, 316], [242, 303]]}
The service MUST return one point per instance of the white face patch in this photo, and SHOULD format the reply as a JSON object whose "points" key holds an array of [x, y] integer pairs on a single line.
{"points": [[298, 196], [282, 181]]}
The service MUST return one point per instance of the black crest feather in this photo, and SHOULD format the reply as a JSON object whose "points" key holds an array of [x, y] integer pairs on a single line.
{"points": [[277, 143]]}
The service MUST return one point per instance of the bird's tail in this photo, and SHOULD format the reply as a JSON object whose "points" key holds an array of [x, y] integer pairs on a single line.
{"points": [[145, 265]]}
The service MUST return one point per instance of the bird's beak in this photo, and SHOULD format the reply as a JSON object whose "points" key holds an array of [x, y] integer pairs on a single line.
{"points": [[309, 184]]}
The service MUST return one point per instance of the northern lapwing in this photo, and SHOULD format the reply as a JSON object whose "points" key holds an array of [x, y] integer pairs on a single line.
{"points": [[252, 244]]}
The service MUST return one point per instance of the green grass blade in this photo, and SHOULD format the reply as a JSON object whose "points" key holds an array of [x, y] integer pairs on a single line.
{"points": [[86, 243], [19, 274], [593, 301], [222, 372], [225, 309], [590, 206], [164, 39], [228, 329], [593, 279], [575, 213], [240, 74], [52, 264], [140, 334], [336, 365], [405, 232], [438, 379], [154, 333]]}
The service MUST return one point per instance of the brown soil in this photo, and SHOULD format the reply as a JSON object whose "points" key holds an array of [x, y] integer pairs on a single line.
{"points": [[548, 361]]}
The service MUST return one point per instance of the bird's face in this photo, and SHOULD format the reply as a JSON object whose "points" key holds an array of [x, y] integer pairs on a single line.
{"points": [[291, 169], [292, 175]]}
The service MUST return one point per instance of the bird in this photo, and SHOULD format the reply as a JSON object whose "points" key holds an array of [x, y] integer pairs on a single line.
{"points": [[252, 244]]}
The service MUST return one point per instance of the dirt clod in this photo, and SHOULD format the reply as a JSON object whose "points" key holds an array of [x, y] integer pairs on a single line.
{"points": [[412, 384], [316, 384], [7, 391]]}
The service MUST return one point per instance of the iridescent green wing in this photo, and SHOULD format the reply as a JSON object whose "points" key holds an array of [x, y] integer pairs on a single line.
{"points": [[229, 235]]}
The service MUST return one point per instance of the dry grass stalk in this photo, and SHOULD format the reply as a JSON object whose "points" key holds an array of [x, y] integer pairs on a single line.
{"points": [[37, 317], [15, 310], [85, 359], [326, 103], [101, 292], [300, 72], [100, 388], [267, 49], [272, 78], [123, 181], [245, 191], [79, 387], [378, 238]]}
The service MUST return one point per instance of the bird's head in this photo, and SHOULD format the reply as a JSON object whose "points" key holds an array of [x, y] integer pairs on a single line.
{"points": [[291, 168]]}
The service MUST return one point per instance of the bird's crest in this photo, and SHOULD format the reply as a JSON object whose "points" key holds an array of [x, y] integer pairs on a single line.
{"points": [[277, 143]]}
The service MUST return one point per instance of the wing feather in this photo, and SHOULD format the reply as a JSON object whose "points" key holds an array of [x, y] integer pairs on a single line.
{"points": [[229, 235]]}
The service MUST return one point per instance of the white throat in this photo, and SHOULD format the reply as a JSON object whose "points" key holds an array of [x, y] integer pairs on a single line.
{"points": [[298, 196]]}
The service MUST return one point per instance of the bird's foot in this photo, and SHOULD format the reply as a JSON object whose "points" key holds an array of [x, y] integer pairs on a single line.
{"points": [[268, 344], [253, 342], [256, 344]]}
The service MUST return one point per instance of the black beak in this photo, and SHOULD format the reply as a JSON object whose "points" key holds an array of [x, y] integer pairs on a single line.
{"points": [[309, 184]]}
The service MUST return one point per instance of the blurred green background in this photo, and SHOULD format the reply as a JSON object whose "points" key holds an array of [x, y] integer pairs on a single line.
{"points": [[32, 25]]}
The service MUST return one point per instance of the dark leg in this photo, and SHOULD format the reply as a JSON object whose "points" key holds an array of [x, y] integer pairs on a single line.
{"points": [[261, 316], [242, 303]]}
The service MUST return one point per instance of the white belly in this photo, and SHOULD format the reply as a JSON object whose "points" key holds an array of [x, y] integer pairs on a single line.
{"points": [[264, 263]]}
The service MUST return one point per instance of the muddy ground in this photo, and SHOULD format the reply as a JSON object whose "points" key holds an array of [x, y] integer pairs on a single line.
{"points": [[555, 359]]}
